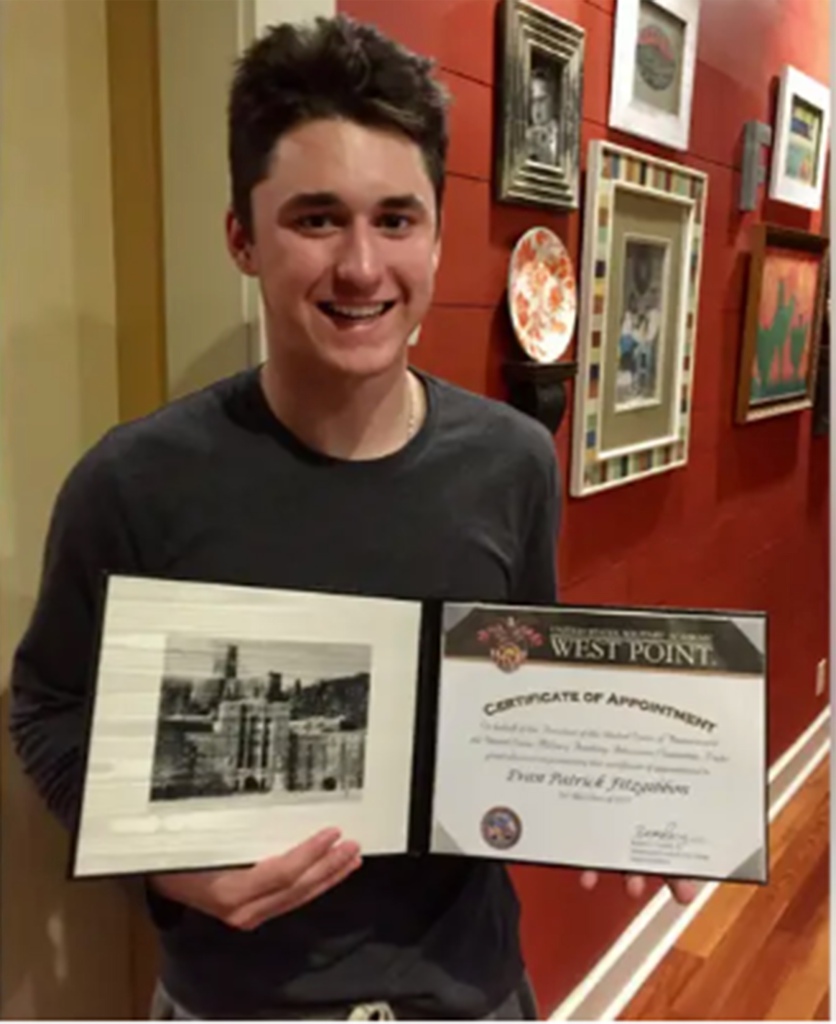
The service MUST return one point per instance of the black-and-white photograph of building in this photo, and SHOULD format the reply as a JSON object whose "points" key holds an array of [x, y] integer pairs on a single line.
{"points": [[255, 717]]}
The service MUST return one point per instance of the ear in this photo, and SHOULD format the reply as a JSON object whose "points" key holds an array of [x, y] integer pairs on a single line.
{"points": [[436, 257], [239, 245]]}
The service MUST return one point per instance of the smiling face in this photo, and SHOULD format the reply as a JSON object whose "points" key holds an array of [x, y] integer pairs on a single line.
{"points": [[345, 246]]}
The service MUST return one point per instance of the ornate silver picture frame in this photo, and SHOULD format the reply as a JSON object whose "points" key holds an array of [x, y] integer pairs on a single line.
{"points": [[538, 114]]}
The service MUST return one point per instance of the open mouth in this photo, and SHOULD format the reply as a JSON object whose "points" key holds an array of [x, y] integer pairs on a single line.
{"points": [[355, 314]]}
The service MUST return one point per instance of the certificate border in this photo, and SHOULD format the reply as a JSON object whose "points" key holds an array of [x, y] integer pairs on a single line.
{"points": [[425, 737], [91, 693]]}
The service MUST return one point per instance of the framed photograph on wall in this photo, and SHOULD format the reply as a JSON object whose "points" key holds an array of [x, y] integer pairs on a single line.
{"points": [[538, 111], [779, 356], [802, 131], [642, 262], [654, 60]]}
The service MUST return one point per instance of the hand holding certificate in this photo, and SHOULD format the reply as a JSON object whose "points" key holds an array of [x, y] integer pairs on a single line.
{"points": [[683, 890], [230, 724], [246, 898]]}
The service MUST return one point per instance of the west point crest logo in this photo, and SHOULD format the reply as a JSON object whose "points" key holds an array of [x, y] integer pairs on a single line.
{"points": [[509, 642]]}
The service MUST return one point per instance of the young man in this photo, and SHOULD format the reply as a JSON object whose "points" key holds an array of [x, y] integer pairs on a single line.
{"points": [[331, 466]]}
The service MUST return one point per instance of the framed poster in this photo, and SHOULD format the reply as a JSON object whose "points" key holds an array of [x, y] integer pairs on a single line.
{"points": [[642, 262], [779, 356], [654, 60], [802, 131], [538, 109]]}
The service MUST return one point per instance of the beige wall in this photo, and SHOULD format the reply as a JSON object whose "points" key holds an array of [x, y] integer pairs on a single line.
{"points": [[207, 304], [64, 948]]}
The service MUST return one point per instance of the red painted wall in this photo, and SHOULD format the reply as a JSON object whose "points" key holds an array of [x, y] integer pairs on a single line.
{"points": [[745, 523]]}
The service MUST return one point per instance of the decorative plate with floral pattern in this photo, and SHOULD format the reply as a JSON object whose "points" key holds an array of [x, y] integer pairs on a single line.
{"points": [[542, 295]]}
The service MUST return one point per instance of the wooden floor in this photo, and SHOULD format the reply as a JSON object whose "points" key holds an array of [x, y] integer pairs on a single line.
{"points": [[758, 953]]}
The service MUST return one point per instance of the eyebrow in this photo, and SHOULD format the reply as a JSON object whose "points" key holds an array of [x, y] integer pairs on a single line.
{"points": [[408, 201], [312, 199], [405, 202]]}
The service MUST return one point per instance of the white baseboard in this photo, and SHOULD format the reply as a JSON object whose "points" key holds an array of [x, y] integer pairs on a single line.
{"points": [[629, 962]]}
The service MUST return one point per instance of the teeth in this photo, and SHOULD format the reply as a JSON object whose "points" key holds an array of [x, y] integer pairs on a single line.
{"points": [[357, 312]]}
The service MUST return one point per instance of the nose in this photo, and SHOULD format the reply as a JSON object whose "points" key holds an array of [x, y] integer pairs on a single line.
{"points": [[359, 263]]}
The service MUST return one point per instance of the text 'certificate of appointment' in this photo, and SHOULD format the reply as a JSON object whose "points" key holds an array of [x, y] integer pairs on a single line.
{"points": [[632, 740]]}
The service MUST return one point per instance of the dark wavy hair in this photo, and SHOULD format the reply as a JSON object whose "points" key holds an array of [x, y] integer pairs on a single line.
{"points": [[333, 68]]}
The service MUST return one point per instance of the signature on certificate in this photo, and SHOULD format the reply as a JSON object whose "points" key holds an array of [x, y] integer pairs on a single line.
{"points": [[668, 837]]}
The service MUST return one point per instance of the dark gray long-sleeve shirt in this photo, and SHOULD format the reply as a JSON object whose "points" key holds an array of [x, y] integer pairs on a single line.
{"points": [[213, 487]]}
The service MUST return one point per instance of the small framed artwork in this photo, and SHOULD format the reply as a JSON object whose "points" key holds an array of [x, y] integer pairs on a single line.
{"points": [[642, 261], [538, 111], [654, 60], [779, 355], [802, 131]]}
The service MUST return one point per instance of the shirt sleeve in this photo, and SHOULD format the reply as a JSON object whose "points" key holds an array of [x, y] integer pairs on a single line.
{"points": [[52, 668], [537, 581]]}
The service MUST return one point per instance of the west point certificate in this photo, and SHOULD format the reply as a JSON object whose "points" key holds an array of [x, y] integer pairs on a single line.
{"points": [[229, 723], [609, 738]]}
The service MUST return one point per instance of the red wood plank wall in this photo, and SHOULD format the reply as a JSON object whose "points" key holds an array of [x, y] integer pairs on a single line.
{"points": [[745, 523]]}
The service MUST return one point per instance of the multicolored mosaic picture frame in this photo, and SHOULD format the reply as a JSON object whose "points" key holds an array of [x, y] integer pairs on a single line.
{"points": [[623, 433]]}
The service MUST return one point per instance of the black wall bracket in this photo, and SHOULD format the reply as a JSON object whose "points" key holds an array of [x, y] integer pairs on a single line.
{"points": [[539, 389]]}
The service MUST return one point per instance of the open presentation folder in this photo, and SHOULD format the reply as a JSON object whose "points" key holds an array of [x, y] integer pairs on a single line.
{"points": [[229, 723]]}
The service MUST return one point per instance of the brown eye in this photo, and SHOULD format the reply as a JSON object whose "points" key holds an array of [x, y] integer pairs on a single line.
{"points": [[395, 222], [315, 222]]}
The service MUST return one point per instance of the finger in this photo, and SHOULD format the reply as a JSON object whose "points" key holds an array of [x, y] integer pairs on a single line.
{"points": [[318, 874], [328, 883], [255, 911], [589, 879], [635, 885], [684, 890], [282, 871], [325, 875]]}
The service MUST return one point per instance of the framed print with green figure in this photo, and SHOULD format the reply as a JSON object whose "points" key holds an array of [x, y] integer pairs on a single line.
{"points": [[779, 356]]}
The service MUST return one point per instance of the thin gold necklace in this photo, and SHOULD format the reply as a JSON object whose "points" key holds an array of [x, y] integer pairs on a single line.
{"points": [[413, 411]]}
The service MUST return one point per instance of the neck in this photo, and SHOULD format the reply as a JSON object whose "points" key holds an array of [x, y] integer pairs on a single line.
{"points": [[346, 419]]}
